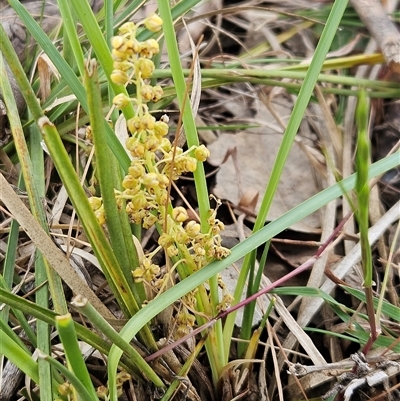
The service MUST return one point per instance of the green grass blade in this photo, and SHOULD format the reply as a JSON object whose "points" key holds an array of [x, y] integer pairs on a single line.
{"points": [[76, 363], [300, 106]]}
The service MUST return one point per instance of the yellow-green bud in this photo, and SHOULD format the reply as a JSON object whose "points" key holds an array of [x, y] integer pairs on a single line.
{"points": [[146, 67], [136, 170], [157, 93], [121, 100], [147, 122], [179, 214], [149, 48], [129, 182], [134, 124], [95, 203], [192, 228], [201, 153], [160, 128], [153, 23], [100, 216], [128, 27], [147, 92], [165, 240], [119, 77], [139, 201], [189, 164], [118, 42], [150, 180]]}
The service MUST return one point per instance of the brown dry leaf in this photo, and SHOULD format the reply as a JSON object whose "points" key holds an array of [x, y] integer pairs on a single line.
{"points": [[256, 151]]}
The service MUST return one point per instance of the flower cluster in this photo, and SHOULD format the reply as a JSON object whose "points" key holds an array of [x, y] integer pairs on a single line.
{"points": [[155, 162]]}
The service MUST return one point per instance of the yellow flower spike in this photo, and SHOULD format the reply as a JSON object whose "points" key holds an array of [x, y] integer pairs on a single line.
{"points": [[153, 23], [119, 77], [201, 153], [95, 203], [146, 67], [121, 100], [179, 214]]}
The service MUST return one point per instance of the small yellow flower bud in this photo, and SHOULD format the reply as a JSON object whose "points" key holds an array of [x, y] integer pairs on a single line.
{"points": [[118, 42], [134, 124], [179, 214], [201, 153], [153, 23], [139, 201], [172, 251], [136, 170], [121, 100], [138, 275], [118, 55], [100, 216], [165, 145], [160, 128], [146, 67], [64, 389], [152, 143], [147, 122], [165, 240], [129, 182], [137, 150], [122, 65], [149, 48], [189, 164], [149, 221], [147, 92], [150, 180], [102, 392], [157, 93], [119, 77], [127, 27], [192, 228], [95, 203]]}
